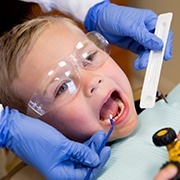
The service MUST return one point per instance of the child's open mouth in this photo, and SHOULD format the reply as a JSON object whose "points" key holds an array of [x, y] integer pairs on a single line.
{"points": [[114, 105]]}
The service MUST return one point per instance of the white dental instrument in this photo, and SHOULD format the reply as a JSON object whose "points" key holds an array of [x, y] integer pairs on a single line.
{"points": [[150, 85]]}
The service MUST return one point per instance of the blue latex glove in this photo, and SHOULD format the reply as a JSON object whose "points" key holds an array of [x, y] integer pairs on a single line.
{"points": [[128, 28], [46, 149]]}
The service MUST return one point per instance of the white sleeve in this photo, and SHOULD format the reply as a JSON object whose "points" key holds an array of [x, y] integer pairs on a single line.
{"points": [[76, 8], [1, 108]]}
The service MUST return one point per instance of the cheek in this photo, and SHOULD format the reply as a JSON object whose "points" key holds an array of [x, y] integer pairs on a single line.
{"points": [[72, 121], [114, 69], [117, 75], [127, 129]]}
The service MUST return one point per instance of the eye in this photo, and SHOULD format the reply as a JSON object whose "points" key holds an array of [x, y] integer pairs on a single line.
{"points": [[89, 59], [91, 56], [62, 89]]}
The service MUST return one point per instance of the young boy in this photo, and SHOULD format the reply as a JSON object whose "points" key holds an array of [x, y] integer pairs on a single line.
{"points": [[53, 64], [50, 69]]}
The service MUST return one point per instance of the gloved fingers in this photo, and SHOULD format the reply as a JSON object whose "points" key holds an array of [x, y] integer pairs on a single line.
{"points": [[152, 42], [104, 156], [64, 170], [82, 154], [70, 172], [129, 44], [86, 153], [68, 169], [168, 49], [150, 25], [142, 60], [96, 140], [150, 20], [148, 39]]}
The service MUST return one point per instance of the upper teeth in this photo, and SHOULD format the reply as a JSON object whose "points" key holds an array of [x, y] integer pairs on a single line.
{"points": [[121, 107]]}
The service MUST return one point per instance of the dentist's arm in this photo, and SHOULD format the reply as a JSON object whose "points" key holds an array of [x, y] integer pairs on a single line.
{"points": [[47, 150], [75, 8]]}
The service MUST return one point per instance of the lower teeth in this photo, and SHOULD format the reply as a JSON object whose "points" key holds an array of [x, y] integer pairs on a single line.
{"points": [[121, 107]]}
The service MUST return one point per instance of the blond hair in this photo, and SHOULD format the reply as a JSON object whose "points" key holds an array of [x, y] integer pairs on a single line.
{"points": [[14, 46]]}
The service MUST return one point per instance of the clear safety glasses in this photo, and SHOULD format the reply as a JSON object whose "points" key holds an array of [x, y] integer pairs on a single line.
{"points": [[62, 82]]}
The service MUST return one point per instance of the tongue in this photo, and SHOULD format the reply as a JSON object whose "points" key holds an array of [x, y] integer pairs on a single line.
{"points": [[110, 107]]}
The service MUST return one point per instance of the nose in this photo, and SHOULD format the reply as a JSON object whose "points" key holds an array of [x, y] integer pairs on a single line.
{"points": [[91, 81]]}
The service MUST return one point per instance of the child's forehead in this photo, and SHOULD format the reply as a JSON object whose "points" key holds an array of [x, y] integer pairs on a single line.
{"points": [[66, 28], [61, 35], [54, 44]]}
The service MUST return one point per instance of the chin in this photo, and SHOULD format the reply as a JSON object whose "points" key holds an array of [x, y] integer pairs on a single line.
{"points": [[125, 130]]}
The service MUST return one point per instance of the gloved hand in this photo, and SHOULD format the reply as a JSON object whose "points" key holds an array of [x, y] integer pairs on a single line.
{"points": [[46, 149], [128, 28]]}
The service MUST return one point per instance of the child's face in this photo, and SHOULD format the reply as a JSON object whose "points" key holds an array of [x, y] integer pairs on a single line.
{"points": [[94, 101]]}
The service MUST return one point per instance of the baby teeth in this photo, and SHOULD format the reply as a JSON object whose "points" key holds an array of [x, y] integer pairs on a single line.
{"points": [[110, 116], [107, 120], [121, 106]]}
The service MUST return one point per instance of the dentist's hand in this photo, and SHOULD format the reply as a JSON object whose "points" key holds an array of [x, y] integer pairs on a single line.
{"points": [[46, 149], [128, 28]]}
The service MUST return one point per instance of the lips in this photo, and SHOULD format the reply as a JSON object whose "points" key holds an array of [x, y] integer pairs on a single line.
{"points": [[114, 106]]}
